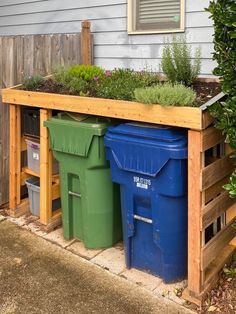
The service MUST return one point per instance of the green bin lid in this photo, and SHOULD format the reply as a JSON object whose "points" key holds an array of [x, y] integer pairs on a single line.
{"points": [[96, 124], [73, 133]]}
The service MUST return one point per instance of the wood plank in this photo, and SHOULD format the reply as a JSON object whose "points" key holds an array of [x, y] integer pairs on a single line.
{"points": [[86, 43], [176, 116], [56, 192], [54, 222], [194, 211], [23, 144], [18, 155], [45, 170], [21, 209], [215, 246], [215, 189], [13, 159], [217, 264], [230, 214], [216, 172], [215, 208], [210, 138], [24, 176], [207, 120], [30, 172]]}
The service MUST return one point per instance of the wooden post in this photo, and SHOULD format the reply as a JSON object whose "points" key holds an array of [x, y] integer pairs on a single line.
{"points": [[194, 211], [86, 43], [15, 158], [45, 170]]}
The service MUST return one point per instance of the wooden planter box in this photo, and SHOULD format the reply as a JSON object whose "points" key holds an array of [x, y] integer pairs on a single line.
{"points": [[209, 167], [185, 117]]}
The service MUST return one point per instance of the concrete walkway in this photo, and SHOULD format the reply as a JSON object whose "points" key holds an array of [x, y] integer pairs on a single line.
{"points": [[37, 276]]}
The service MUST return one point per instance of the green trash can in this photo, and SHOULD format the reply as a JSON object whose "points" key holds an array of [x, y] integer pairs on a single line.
{"points": [[90, 201]]}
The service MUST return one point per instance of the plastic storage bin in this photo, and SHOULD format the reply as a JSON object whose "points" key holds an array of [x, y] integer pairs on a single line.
{"points": [[31, 122], [33, 157], [33, 185], [150, 164], [90, 201]]}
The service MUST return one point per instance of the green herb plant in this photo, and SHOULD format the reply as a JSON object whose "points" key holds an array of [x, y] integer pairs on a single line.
{"points": [[121, 83], [223, 13], [177, 62], [166, 94], [33, 83], [77, 79]]}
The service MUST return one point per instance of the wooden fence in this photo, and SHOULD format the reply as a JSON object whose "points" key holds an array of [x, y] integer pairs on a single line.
{"points": [[22, 56]]}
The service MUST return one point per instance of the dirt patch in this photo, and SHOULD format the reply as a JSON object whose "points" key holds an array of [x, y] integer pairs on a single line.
{"points": [[222, 299], [205, 91]]}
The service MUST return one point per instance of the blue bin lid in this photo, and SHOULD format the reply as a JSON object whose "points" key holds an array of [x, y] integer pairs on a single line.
{"points": [[149, 131], [145, 148]]}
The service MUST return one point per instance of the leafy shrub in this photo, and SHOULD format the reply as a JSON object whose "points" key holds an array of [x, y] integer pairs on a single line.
{"points": [[121, 83], [77, 78], [166, 95], [33, 82], [223, 13], [177, 62], [85, 72]]}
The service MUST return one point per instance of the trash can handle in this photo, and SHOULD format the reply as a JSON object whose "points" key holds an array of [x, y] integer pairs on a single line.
{"points": [[74, 194], [144, 219]]}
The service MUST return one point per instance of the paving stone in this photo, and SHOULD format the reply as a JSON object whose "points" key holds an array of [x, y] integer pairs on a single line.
{"points": [[111, 259], [35, 228], [20, 221], [143, 279], [170, 291], [78, 248], [2, 218], [56, 236]]}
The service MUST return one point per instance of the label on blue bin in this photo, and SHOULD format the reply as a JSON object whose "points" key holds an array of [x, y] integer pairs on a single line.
{"points": [[142, 183]]}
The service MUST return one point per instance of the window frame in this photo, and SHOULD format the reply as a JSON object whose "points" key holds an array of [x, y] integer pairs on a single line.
{"points": [[131, 20]]}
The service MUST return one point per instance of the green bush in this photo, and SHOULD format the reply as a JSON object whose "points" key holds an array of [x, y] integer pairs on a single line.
{"points": [[33, 82], [121, 83], [177, 62], [166, 95], [77, 79], [223, 13]]}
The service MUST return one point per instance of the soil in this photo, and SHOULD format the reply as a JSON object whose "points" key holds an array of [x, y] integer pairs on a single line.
{"points": [[205, 90], [222, 299]]}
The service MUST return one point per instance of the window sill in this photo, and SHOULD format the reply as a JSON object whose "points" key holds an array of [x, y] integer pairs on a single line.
{"points": [[164, 31]]}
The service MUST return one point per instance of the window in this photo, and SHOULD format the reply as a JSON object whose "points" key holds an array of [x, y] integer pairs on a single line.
{"points": [[155, 16]]}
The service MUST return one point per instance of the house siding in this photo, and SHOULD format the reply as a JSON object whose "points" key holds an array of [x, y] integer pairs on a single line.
{"points": [[113, 47]]}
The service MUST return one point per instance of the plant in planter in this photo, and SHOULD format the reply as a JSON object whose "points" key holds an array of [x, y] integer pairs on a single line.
{"points": [[177, 62], [223, 13], [166, 94]]}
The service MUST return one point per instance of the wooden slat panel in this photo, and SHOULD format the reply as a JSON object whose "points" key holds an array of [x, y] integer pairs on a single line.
{"points": [[215, 208], [230, 214], [215, 246], [176, 116], [194, 211], [210, 137], [22, 56], [216, 172], [217, 264]]}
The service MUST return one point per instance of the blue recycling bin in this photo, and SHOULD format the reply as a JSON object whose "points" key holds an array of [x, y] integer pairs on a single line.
{"points": [[150, 164]]}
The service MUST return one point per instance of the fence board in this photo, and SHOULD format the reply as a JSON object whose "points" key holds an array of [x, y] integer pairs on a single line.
{"points": [[25, 55]]}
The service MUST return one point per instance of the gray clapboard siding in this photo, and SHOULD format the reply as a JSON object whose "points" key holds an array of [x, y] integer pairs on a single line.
{"points": [[113, 46]]}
